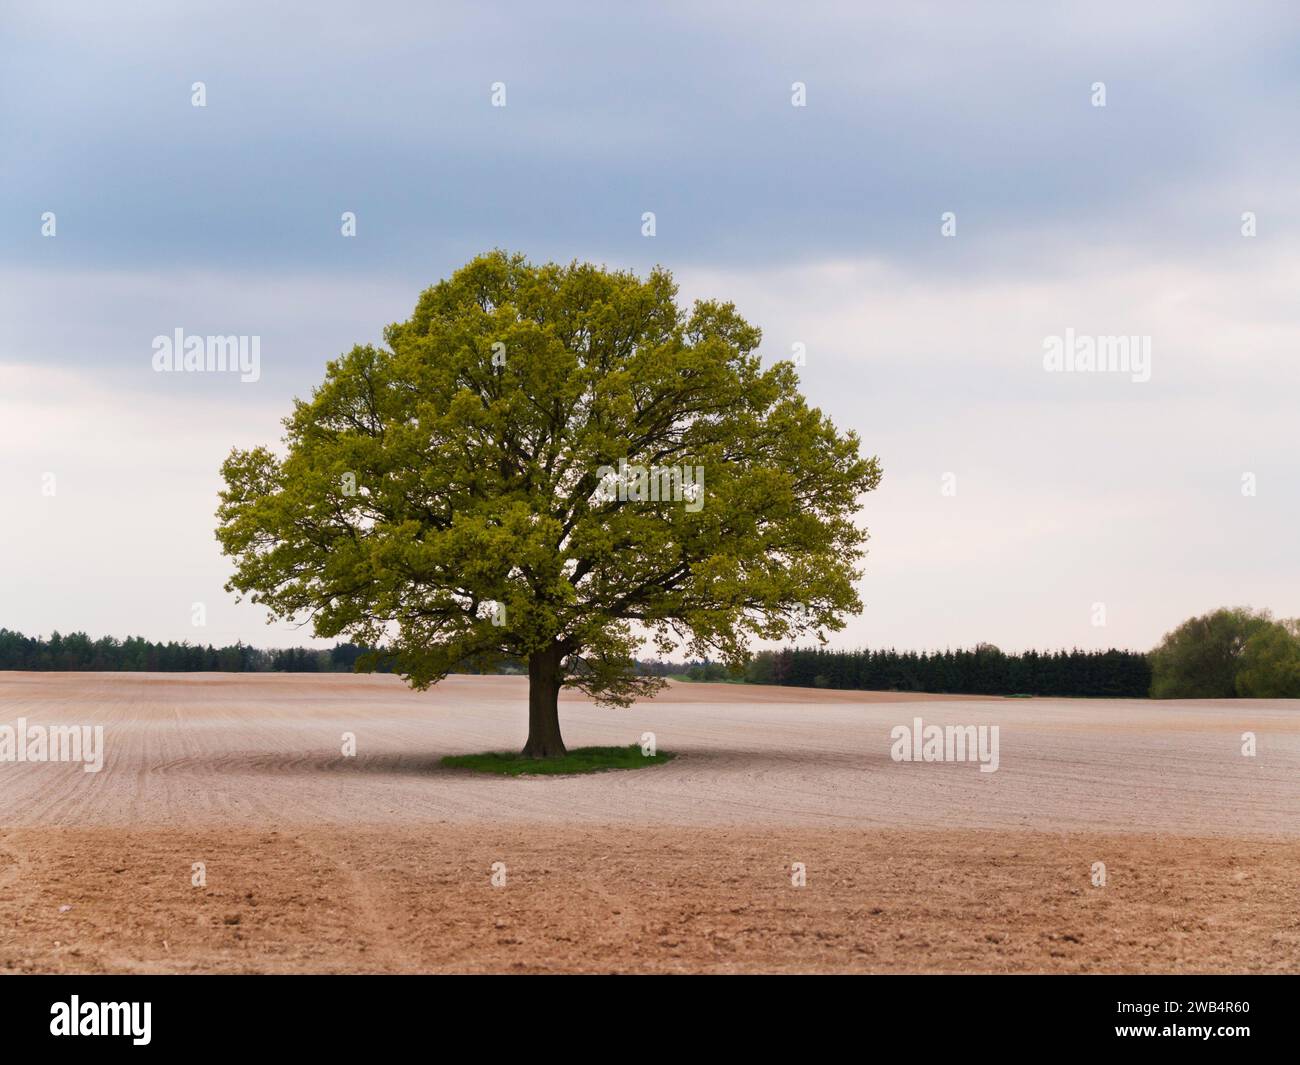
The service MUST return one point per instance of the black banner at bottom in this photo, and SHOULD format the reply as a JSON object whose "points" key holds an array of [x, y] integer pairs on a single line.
{"points": [[145, 1014]]}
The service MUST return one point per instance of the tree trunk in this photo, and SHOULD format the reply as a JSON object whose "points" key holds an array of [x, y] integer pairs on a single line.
{"points": [[544, 704]]}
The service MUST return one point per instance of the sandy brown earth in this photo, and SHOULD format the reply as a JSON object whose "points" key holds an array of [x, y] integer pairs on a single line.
{"points": [[613, 899], [383, 862]]}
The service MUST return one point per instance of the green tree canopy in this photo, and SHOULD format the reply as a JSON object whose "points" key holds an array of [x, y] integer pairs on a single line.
{"points": [[1270, 663], [1201, 658], [484, 486]]}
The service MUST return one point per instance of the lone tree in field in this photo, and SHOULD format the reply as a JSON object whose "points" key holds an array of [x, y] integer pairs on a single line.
{"points": [[552, 464]]}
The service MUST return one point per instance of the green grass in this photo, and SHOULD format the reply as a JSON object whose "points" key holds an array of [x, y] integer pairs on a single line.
{"points": [[579, 760]]}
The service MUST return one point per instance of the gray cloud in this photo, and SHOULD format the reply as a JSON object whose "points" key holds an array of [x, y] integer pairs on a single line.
{"points": [[612, 112]]}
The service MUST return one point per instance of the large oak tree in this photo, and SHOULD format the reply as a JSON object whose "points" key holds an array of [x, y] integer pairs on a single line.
{"points": [[447, 497]]}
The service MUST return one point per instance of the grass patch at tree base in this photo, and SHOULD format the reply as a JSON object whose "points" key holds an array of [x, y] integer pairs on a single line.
{"points": [[578, 760]]}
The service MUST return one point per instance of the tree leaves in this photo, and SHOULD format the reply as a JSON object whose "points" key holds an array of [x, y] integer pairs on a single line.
{"points": [[439, 495]]}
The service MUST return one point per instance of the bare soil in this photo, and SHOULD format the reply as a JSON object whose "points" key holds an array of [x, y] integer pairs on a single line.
{"points": [[315, 862]]}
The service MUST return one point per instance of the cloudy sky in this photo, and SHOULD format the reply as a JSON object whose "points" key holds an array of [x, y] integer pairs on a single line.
{"points": [[1015, 501]]}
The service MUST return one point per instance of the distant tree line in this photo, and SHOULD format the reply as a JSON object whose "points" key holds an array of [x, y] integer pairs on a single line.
{"points": [[985, 670], [77, 652], [1229, 652]]}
